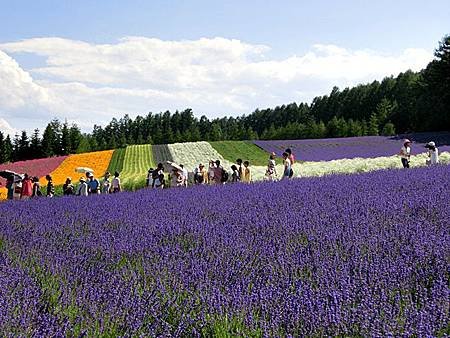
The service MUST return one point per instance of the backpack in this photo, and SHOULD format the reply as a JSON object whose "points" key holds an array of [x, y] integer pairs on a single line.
{"points": [[224, 176], [155, 174], [291, 173], [198, 178]]}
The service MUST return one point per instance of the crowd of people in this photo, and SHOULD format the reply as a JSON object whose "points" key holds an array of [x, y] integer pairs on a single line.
{"points": [[178, 176]]}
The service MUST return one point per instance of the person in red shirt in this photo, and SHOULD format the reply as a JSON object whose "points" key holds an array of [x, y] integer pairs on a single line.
{"points": [[27, 187]]}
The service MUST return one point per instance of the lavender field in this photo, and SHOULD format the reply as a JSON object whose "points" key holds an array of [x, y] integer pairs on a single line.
{"points": [[329, 149], [351, 255]]}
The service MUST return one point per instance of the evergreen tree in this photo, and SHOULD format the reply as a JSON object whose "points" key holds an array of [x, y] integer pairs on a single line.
{"points": [[373, 125], [2, 148], [35, 145], [388, 129], [66, 146]]}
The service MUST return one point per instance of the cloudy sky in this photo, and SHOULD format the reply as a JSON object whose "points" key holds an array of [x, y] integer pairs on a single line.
{"points": [[88, 61]]}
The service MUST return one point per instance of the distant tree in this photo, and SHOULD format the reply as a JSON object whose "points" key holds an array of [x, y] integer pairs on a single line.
{"points": [[373, 125], [66, 146], [8, 149], [35, 145], [2, 149], [75, 138], [388, 129]]}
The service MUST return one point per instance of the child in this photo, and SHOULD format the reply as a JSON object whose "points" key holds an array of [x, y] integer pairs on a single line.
{"points": [[271, 171]]}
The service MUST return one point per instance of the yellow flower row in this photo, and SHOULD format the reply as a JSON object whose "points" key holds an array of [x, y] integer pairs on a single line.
{"points": [[97, 161], [3, 193]]}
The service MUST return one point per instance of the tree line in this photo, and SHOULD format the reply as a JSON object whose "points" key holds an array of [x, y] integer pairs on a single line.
{"points": [[412, 101]]}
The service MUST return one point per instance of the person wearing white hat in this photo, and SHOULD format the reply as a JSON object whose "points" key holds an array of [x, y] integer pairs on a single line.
{"points": [[405, 153], [433, 153]]}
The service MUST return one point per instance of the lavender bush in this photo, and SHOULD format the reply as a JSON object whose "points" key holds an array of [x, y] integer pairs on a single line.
{"points": [[350, 255], [351, 147]]}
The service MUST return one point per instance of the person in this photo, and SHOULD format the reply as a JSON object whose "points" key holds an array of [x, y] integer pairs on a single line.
{"points": [[83, 188], [291, 159], [405, 153], [50, 186], [433, 153], [235, 177], [200, 175], [246, 173], [94, 185], [176, 178], [115, 184], [36, 187], [27, 188], [106, 184], [271, 172], [158, 177], [10, 187], [211, 172], [68, 188], [287, 166], [185, 176], [149, 179], [218, 173], [239, 166]]}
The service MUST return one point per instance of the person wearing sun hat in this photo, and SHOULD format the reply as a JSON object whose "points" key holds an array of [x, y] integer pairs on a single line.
{"points": [[405, 153], [433, 153], [82, 189]]}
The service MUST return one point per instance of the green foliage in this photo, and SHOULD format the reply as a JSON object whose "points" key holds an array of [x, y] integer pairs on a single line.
{"points": [[373, 125], [388, 129], [137, 161], [232, 150], [117, 159]]}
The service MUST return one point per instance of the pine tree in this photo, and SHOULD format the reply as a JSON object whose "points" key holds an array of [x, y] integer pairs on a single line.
{"points": [[373, 125], [388, 129], [35, 145]]}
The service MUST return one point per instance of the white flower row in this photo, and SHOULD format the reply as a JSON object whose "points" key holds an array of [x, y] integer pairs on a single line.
{"points": [[190, 154]]}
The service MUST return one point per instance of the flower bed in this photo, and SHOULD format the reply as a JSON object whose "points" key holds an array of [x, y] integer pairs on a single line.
{"points": [[348, 255], [97, 161], [38, 167], [353, 147]]}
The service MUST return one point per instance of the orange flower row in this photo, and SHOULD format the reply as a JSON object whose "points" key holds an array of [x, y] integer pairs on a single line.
{"points": [[97, 161]]}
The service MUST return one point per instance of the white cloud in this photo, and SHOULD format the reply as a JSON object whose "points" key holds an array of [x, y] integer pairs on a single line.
{"points": [[89, 83], [6, 128]]}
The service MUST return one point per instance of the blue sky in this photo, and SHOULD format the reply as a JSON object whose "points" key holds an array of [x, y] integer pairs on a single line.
{"points": [[269, 40]]}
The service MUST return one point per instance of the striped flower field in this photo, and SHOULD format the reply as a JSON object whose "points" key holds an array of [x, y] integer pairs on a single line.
{"points": [[331, 156]]}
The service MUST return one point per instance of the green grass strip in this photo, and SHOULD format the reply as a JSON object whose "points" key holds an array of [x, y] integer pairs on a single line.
{"points": [[247, 151], [117, 159], [138, 159]]}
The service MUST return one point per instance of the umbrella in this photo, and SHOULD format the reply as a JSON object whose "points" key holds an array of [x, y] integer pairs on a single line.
{"points": [[8, 173], [174, 165], [83, 170]]}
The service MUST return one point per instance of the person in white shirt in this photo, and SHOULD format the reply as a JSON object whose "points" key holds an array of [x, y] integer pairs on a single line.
{"points": [[405, 153], [115, 184], [433, 153], [82, 189], [287, 166], [271, 172], [185, 176]]}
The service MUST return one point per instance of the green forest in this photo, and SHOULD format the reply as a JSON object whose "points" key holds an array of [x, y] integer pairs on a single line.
{"points": [[410, 102]]}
